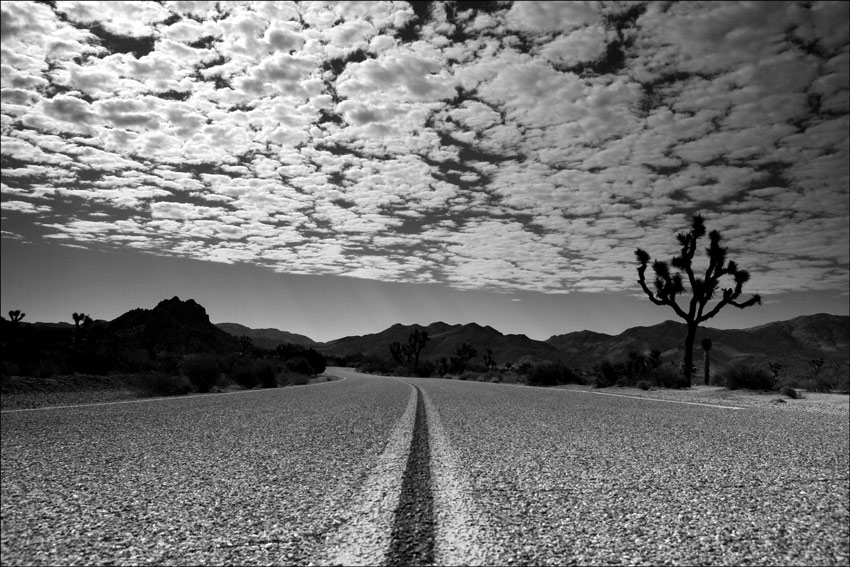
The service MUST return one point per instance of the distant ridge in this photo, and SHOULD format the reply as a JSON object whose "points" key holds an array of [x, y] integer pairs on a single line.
{"points": [[793, 343], [443, 339], [265, 338]]}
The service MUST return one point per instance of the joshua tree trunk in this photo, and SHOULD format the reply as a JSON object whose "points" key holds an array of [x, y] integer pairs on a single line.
{"points": [[706, 347], [689, 352]]}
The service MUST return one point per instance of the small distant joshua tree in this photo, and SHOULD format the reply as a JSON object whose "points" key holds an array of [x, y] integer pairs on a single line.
{"points": [[668, 286], [80, 319], [706, 347], [489, 362], [411, 351], [16, 316], [464, 352], [415, 343], [246, 345], [775, 367]]}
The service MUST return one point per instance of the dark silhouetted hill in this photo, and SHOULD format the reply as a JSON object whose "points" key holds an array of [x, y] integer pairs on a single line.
{"points": [[173, 325], [443, 340], [266, 338], [793, 343]]}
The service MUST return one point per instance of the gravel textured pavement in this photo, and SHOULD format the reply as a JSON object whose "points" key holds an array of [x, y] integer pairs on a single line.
{"points": [[518, 475], [252, 478], [560, 477]]}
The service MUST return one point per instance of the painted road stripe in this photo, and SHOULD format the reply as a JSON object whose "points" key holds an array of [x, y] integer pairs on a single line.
{"points": [[461, 529], [365, 536]]}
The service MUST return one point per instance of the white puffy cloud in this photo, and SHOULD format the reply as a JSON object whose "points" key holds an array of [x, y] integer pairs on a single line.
{"points": [[527, 145]]}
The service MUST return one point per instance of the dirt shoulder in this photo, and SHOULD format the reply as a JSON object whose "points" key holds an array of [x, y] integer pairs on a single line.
{"points": [[26, 392]]}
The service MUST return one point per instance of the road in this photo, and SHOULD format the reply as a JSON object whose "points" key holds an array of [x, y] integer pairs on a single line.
{"points": [[372, 470]]}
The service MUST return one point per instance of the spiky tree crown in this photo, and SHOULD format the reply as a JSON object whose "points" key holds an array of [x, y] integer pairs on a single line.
{"points": [[669, 285]]}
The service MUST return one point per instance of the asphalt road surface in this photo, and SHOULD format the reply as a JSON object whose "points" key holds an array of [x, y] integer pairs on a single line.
{"points": [[372, 470]]}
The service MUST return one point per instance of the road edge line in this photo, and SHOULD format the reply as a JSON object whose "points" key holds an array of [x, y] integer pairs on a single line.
{"points": [[653, 399]]}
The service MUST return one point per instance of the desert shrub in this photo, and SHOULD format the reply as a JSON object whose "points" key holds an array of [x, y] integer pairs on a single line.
{"points": [[135, 361], [46, 368], [376, 366], [511, 378], [244, 374], [202, 371], [300, 365], [99, 363], [791, 392], [426, 369], [668, 376], [841, 381], [489, 376], [468, 376], [605, 374], [289, 352], [818, 384], [294, 379], [828, 379], [167, 362], [552, 374], [493, 377], [644, 384], [155, 384], [266, 373], [741, 376]]}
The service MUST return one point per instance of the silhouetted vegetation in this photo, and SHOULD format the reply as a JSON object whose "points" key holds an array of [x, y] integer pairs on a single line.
{"points": [[741, 376], [552, 374], [464, 352], [706, 348], [408, 354], [156, 384], [170, 350], [202, 371], [639, 370], [670, 285]]}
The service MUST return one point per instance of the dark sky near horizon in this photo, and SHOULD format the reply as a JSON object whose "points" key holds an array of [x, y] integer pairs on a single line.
{"points": [[334, 168]]}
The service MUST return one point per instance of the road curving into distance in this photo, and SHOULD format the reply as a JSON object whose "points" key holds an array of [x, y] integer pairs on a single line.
{"points": [[373, 470]]}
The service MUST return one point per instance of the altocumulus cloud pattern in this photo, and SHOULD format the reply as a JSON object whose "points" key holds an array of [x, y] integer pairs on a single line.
{"points": [[499, 145]]}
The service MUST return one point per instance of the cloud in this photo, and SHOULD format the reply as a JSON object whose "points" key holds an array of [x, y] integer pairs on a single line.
{"points": [[522, 146]]}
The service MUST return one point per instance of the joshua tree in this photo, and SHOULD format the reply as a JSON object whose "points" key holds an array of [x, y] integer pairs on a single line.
{"points": [[415, 343], [398, 352], [79, 318], [464, 353], [16, 316], [775, 367], [706, 346], [668, 286], [246, 345], [411, 351], [489, 362]]}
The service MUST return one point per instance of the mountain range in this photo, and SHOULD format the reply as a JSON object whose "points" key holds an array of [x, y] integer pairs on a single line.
{"points": [[792, 343], [184, 326]]}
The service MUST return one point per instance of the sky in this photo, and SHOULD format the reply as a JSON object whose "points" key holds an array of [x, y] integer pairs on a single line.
{"points": [[331, 169]]}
